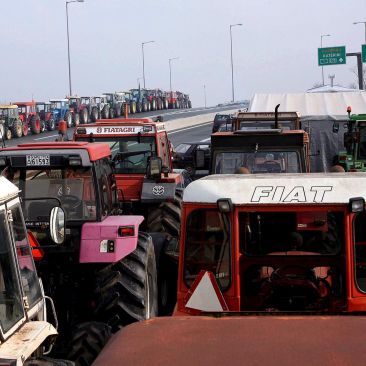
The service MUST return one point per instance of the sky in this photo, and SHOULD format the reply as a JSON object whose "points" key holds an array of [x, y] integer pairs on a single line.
{"points": [[275, 49]]}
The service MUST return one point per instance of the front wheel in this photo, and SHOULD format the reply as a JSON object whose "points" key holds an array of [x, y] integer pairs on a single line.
{"points": [[76, 119], [51, 125], [35, 125], [127, 291], [68, 119], [17, 128]]}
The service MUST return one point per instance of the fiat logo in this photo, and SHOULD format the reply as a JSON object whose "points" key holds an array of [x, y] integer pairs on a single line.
{"points": [[99, 129]]}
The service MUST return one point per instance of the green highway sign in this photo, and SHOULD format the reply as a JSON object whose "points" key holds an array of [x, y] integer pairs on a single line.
{"points": [[364, 53], [331, 56]]}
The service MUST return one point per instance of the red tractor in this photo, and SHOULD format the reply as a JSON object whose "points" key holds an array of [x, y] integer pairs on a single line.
{"points": [[172, 98], [29, 117], [137, 143]]}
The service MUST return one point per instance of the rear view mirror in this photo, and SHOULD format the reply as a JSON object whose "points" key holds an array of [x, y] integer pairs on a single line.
{"points": [[57, 225], [154, 167], [335, 127], [199, 159]]}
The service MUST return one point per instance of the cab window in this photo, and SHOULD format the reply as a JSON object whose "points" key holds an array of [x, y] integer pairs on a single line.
{"points": [[207, 247]]}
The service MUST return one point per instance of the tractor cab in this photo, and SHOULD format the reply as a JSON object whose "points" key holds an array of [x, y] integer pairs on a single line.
{"points": [[354, 158], [289, 243], [10, 123]]}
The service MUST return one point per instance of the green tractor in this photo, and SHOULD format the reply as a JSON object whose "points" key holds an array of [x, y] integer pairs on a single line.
{"points": [[353, 159], [10, 123]]}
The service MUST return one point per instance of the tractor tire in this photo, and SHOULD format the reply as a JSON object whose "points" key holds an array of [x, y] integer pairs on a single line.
{"points": [[189, 104], [133, 107], [94, 114], [76, 119], [153, 105], [177, 104], [166, 217], [111, 113], [105, 112], [149, 106], [127, 291], [35, 125], [68, 118], [166, 104], [8, 133], [51, 125], [84, 116], [87, 341], [160, 104], [139, 107], [17, 129], [144, 106], [117, 112], [43, 126], [25, 128], [2, 131], [46, 361]]}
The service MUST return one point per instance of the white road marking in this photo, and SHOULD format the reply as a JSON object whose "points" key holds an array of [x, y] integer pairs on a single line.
{"points": [[204, 140], [189, 128], [45, 137]]}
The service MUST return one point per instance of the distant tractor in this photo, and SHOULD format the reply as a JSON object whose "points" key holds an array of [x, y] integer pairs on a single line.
{"points": [[116, 104], [30, 117], [131, 103], [10, 123], [354, 158], [98, 266], [46, 115], [102, 106], [173, 100], [187, 101], [81, 106], [153, 99], [61, 111], [25, 333], [139, 97]]}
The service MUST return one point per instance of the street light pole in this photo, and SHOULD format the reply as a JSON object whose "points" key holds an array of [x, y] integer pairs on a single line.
{"points": [[170, 71], [204, 92], [143, 60], [68, 39], [365, 27], [232, 63], [321, 46]]}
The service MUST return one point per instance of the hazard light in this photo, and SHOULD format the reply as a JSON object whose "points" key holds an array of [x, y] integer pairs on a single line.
{"points": [[126, 231], [357, 204], [224, 205]]}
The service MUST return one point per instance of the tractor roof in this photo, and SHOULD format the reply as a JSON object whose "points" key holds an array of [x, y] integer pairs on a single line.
{"points": [[122, 126], [96, 151], [21, 104], [8, 190], [256, 189], [59, 100], [266, 116], [8, 106]]}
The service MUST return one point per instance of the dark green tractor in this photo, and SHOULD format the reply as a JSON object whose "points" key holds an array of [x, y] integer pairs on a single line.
{"points": [[10, 123], [353, 159]]}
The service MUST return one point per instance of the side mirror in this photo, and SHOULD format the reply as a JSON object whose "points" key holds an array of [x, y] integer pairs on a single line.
{"points": [[199, 159], [335, 127], [57, 225], [154, 167]]}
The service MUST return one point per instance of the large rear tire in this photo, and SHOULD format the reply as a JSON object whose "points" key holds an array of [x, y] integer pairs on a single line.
{"points": [[139, 107], [84, 116], [51, 125], [105, 112], [17, 129], [87, 340], [111, 113], [35, 125], [68, 119], [76, 119], [144, 106], [127, 291], [133, 107], [8, 133], [94, 114]]}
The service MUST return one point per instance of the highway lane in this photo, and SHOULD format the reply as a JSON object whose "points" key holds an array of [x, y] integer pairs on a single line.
{"points": [[191, 134], [168, 115]]}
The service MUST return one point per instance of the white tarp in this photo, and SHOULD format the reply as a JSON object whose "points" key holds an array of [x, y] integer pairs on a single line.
{"points": [[318, 112]]}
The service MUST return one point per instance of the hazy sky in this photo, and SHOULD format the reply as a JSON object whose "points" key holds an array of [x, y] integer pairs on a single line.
{"points": [[274, 51]]}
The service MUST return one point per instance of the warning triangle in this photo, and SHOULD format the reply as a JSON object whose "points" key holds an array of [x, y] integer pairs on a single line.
{"points": [[207, 295]]}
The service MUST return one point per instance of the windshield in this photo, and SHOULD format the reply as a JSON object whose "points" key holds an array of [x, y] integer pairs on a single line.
{"points": [[182, 148], [362, 144], [133, 152], [207, 246], [73, 101], [109, 97], [221, 117], [11, 308], [135, 93], [57, 105], [257, 162], [289, 233], [260, 125], [73, 187]]}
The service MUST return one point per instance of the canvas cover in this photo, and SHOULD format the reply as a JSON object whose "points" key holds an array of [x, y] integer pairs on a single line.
{"points": [[318, 113]]}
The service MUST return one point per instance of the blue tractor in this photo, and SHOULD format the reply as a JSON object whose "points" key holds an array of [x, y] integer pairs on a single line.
{"points": [[60, 109], [140, 98]]}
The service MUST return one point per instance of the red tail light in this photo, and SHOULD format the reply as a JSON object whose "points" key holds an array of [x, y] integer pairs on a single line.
{"points": [[37, 253], [126, 231], [343, 158]]}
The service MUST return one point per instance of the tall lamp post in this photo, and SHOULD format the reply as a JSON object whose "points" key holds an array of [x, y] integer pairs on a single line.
{"points": [[68, 38], [321, 46], [143, 60], [170, 71], [365, 27], [204, 93], [232, 63]]}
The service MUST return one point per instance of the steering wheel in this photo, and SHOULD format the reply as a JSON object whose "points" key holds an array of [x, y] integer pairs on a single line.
{"points": [[71, 201]]}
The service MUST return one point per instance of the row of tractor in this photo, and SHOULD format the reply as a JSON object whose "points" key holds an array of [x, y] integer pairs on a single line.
{"points": [[20, 118], [119, 236]]}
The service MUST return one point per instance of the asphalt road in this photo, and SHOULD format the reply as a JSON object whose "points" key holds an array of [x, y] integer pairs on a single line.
{"points": [[184, 134]]}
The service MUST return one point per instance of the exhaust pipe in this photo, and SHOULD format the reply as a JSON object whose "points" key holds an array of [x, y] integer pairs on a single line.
{"points": [[276, 115]]}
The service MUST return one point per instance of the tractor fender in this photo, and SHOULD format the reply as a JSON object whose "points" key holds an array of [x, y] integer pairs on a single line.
{"points": [[101, 242]]}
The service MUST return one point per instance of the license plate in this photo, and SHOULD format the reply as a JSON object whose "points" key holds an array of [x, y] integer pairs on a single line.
{"points": [[38, 160]]}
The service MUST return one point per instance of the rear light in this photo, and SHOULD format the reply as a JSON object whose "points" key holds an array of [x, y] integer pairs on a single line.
{"points": [[36, 251], [349, 109], [2, 161], [343, 158], [126, 231], [356, 204], [75, 161]]}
